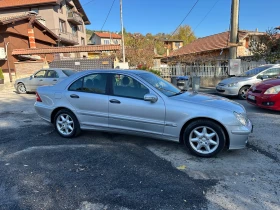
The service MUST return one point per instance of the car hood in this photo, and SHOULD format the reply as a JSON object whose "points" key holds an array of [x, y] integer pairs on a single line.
{"points": [[210, 101], [235, 79], [267, 84], [23, 79]]}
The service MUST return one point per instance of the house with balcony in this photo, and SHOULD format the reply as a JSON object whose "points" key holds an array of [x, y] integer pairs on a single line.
{"points": [[65, 18], [103, 38]]}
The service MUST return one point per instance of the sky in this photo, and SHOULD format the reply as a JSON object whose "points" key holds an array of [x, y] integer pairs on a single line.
{"points": [[164, 16]]}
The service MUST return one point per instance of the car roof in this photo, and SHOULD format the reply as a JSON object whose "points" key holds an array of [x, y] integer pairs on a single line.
{"points": [[58, 69], [120, 71]]}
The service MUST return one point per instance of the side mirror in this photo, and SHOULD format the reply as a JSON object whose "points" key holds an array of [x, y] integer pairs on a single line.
{"points": [[150, 97], [264, 77], [31, 77]]}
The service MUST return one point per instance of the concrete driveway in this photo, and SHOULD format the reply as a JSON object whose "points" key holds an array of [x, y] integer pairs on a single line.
{"points": [[41, 170]]}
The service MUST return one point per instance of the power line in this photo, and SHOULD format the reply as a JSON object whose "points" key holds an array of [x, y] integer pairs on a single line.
{"points": [[108, 14], [185, 17], [206, 15], [88, 2]]}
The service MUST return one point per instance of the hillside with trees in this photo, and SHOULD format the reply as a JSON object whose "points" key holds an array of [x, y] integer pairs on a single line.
{"points": [[141, 49]]}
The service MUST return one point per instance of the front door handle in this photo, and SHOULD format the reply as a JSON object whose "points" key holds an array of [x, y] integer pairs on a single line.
{"points": [[115, 101], [40, 80], [74, 96], [54, 80]]}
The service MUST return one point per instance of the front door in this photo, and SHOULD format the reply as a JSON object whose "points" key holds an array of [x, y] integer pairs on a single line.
{"points": [[88, 96], [129, 111], [39, 79]]}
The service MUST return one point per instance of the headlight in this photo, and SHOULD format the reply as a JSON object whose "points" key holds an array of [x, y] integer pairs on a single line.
{"points": [[232, 84], [241, 118], [273, 90]]}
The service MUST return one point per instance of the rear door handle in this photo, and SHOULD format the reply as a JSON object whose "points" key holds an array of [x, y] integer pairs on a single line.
{"points": [[74, 96], [54, 80], [40, 80], [115, 101]]}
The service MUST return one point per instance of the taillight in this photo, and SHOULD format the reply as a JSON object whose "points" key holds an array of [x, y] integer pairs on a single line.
{"points": [[38, 97]]}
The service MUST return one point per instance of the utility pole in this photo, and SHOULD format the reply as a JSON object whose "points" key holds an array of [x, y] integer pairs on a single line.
{"points": [[123, 50], [234, 28]]}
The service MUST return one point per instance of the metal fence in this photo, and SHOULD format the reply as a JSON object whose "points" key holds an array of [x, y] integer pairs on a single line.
{"points": [[203, 71]]}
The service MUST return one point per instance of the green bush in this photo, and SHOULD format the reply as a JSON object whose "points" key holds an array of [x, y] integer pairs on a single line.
{"points": [[1, 74], [155, 72]]}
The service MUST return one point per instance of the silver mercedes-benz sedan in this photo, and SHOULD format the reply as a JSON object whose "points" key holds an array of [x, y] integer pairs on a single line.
{"points": [[141, 103], [42, 77]]}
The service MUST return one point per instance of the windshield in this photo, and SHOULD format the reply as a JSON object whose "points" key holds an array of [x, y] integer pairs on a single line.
{"points": [[69, 72], [254, 71], [162, 85]]}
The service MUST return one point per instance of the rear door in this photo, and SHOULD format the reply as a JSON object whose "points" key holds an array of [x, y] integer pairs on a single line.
{"points": [[89, 98], [52, 77]]}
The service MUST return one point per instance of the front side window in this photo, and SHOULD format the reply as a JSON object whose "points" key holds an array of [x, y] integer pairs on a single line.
{"points": [[40, 74], [94, 83], [125, 86], [162, 85], [52, 74]]}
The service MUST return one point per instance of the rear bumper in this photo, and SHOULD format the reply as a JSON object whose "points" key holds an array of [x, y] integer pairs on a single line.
{"points": [[43, 111]]}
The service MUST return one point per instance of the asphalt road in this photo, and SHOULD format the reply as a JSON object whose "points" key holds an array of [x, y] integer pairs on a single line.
{"points": [[41, 170]]}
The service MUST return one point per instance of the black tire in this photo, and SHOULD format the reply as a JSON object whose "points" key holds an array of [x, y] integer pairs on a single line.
{"points": [[204, 142], [242, 94], [61, 125], [21, 89]]}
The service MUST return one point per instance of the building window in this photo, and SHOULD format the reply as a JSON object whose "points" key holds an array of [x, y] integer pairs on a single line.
{"points": [[35, 9], [74, 29], [81, 28], [62, 26], [106, 41], [83, 41], [116, 41]]}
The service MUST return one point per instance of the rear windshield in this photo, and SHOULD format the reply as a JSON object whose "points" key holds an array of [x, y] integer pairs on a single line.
{"points": [[69, 72]]}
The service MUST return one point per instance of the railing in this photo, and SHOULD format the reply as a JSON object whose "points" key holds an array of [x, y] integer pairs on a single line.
{"points": [[75, 18], [203, 71], [66, 36]]}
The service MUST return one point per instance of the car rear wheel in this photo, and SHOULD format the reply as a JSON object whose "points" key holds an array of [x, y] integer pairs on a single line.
{"points": [[66, 124], [243, 92], [21, 88], [204, 138]]}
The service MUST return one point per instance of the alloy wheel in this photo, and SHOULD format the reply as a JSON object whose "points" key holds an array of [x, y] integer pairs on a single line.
{"points": [[65, 124], [204, 140]]}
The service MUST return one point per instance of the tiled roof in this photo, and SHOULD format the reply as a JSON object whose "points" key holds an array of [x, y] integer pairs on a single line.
{"points": [[72, 49], [208, 43], [19, 3], [108, 35]]}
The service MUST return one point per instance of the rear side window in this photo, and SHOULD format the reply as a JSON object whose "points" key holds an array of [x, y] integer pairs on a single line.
{"points": [[69, 72], [94, 83]]}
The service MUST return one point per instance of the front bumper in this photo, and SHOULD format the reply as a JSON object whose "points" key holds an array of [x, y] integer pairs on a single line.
{"points": [[264, 101], [238, 135], [229, 91]]}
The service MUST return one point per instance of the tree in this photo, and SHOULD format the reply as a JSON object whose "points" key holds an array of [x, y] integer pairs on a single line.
{"points": [[184, 33], [266, 47]]}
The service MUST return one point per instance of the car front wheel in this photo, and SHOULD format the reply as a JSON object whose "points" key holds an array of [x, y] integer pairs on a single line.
{"points": [[66, 124], [243, 92], [204, 138], [21, 88]]}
